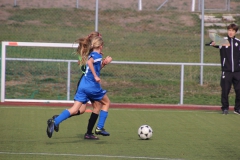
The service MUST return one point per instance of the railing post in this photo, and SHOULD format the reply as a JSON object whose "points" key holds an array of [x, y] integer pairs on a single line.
{"points": [[139, 5], [3, 71], [202, 44], [77, 4], [15, 3], [96, 17], [193, 5], [228, 5], [68, 80], [182, 84]]}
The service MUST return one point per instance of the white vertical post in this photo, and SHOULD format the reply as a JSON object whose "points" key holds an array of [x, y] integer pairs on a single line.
{"points": [[199, 5], [76, 3], [228, 5], [193, 5], [182, 84], [202, 43], [68, 81], [15, 3], [3, 70], [139, 5], [96, 17]]}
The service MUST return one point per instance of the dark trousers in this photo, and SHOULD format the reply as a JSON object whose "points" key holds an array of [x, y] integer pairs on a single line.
{"points": [[227, 79]]}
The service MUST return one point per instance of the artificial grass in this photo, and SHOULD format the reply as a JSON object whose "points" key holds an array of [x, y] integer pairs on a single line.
{"points": [[177, 134]]}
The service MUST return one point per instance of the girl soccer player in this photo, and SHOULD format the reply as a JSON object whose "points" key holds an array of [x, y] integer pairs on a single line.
{"points": [[83, 49], [89, 88]]}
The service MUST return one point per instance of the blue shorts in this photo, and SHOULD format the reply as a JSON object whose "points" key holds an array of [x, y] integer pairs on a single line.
{"points": [[89, 90]]}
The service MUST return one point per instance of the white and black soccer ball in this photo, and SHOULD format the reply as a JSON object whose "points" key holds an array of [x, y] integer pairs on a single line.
{"points": [[145, 132]]}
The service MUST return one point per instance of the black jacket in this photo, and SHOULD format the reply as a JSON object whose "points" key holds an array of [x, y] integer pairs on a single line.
{"points": [[230, 55]]}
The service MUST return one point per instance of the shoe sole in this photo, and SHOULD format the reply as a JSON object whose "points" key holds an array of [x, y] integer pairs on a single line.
{"points": [[49, 132], [91, 138], [102, 134], [236, 113]]}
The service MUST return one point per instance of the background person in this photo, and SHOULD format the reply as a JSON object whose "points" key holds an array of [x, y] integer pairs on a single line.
{"points": [[230, 66]]}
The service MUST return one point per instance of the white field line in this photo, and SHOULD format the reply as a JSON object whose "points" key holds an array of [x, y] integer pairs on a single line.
{"points": [[82, 155], [125, 109]]}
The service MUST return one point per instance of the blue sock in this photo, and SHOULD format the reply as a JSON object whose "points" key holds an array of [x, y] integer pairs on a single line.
{"points": [[102, 118], [63, 116]]}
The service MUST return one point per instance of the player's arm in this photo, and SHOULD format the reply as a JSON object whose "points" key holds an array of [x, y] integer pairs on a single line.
{"points": [[90, 65], [105, 61], [212, 43]]}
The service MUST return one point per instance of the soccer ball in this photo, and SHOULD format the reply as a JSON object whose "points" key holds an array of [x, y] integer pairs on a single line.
{"points": [[145, 132]]}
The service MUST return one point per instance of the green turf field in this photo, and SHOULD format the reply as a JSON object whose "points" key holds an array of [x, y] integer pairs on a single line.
{"points": [[177, 134]]}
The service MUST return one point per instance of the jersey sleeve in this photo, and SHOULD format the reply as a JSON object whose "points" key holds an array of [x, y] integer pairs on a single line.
{"points": [[96, 57]]}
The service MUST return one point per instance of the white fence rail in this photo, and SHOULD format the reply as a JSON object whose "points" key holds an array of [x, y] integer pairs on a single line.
{"points": [[68, 45]]}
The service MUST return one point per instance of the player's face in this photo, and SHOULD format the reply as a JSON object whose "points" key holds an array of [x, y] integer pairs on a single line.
{"points": [[231, 33]]}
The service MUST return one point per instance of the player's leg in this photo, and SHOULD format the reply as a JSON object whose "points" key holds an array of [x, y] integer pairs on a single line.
{"points": [[236, 85], [226, 82], [63, 116], [79, 112], [103, 116], [92, 120], [83, 107]]}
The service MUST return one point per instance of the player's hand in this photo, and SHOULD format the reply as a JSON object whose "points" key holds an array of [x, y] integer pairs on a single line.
{"points": [[212, 44], [78, 62], [226, 44], [107, 60], [97, 79]]}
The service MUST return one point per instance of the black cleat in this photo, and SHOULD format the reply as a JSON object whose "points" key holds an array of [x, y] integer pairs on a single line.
{"points": [[50, 127], [101, 132], [90, 136], [56, 128]]}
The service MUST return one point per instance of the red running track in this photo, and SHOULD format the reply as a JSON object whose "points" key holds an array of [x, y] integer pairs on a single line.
{"points": [[120, 105]]}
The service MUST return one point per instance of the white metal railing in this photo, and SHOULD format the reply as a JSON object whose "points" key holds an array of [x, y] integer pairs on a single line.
{"points": [[32, 44], [67, 45], [175, 64]]}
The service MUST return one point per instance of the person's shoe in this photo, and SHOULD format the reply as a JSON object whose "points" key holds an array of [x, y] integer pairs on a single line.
{"points": [[56, 128], [102, 132], [237, 111], [225, 112], [90, 136], [50, 127]]}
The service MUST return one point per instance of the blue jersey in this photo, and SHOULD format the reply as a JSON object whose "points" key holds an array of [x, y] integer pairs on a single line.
{"points": [[88, 87], [96, 64]]}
